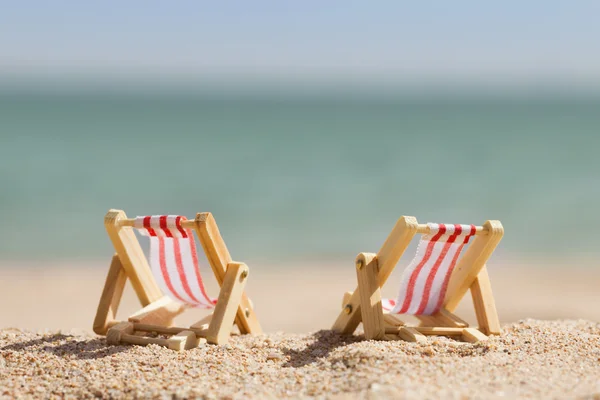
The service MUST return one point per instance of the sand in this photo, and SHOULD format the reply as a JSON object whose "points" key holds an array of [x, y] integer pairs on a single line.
{"points": [[532, 359]]}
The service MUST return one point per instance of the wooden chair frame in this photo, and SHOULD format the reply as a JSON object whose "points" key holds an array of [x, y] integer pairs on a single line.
{"points": [[470, 273], [158, 312]]}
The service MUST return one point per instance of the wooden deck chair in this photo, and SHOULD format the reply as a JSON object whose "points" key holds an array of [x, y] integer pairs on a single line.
{"points": [[172, 283], [432, 285]]}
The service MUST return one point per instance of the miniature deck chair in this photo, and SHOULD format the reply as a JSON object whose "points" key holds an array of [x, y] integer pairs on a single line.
{"points": [[432, 285], [174, 271]]}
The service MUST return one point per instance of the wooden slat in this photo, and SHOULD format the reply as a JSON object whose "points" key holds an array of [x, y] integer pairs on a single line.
{"points": [[111, 297], [184, 340], [392, 320], [160, 329], [164, 330], [472, 335], [204, 322], [132, 258], [370, 296], [440, 331], [442, 318], [485, 305], [411, 335], [228, 303], [471, 263], [159, 312], [387, 258], [218, 257]]}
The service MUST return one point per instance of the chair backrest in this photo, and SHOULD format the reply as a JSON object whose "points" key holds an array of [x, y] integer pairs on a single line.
{"points": [[174, 259], [425, 280]]}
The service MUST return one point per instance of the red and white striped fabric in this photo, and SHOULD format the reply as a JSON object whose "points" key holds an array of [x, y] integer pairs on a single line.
{"points": [[174, 259], [425, 280]]}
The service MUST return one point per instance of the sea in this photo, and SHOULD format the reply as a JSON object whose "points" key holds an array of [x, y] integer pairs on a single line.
{"points": [[295, 174]]}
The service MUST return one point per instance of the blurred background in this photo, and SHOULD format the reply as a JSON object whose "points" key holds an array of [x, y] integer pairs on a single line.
{"points": [[307, 129]]}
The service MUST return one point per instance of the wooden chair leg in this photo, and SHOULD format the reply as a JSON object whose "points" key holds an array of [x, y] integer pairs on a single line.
{"points": [[473, 335], [219, 259], [184, 340], [350, 316], [485, 305], [132, 258], [472, 263], [111, 297], [370, 296], [411, 335], [227, 304]]}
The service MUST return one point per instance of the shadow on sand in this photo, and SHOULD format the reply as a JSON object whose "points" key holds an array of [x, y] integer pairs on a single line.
{"points": [[67, 345], [325, 342]]}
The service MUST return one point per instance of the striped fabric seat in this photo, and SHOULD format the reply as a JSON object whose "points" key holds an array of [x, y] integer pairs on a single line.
{"points": [[174, 259], [425, 280]]}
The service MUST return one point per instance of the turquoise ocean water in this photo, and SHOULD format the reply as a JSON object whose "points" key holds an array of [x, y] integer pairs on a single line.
{"points": [[291, 175]]}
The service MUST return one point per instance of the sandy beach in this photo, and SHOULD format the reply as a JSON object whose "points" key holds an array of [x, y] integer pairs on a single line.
{"points": [[532, 359], [47, 348]]}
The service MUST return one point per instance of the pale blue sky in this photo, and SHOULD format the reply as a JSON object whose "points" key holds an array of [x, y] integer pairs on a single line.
{"points": [[543, 40]]}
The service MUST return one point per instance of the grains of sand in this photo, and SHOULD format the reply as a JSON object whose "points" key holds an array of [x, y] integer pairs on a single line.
{"points": [[531, 359]]}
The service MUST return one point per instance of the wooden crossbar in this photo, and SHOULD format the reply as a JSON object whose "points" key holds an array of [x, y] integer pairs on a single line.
{"points": [[430, 330], [187, 224], [424, 229], [173, 330]]}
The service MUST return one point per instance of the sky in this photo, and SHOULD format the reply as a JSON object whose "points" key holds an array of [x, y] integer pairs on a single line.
{"points": [[460, 40]]}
